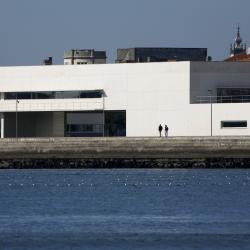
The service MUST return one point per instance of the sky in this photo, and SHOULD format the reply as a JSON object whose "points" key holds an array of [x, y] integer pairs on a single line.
{"points": [[32, 30]]}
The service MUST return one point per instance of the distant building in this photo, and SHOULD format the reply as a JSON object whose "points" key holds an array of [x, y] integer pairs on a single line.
{"points": [[243, 57], [237, 47], [238, 50], [133, 55], [88, 56]]}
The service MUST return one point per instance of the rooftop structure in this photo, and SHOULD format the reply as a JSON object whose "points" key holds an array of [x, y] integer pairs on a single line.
{"points": [[88, 56], [48, 61], [132, 55]]}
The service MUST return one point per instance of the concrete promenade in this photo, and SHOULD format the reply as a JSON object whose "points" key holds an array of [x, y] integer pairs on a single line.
{"points": [[172, 152]]}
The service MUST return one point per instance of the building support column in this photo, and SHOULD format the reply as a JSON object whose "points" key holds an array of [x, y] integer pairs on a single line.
{"points": [[2, 125]]}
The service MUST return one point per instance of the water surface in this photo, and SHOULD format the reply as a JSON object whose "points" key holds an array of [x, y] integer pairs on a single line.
{"points": [[124, 209]]}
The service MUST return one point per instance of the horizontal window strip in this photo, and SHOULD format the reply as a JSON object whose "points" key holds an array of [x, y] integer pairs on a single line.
{"points": [[53, 95]]}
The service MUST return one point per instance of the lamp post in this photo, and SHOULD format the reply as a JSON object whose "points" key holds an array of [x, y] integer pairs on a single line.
{"points": [[103, 115], [16, 117], [211, 112]]}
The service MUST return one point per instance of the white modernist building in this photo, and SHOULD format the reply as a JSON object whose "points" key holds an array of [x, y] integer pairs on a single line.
{"points": [[192, 98]]}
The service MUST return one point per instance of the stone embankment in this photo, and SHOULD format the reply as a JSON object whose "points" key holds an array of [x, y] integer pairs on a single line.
{"points": [[172, 152]]}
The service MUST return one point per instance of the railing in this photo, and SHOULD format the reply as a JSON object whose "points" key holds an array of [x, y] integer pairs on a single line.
{"points": [[223, 99]]}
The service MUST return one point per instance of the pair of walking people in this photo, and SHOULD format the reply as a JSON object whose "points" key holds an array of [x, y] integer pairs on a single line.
{"points": [[165, 128]]}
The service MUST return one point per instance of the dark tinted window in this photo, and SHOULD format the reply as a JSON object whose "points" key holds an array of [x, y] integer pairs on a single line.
{"points": [[115, 123], [234, 124], [54, 95]]}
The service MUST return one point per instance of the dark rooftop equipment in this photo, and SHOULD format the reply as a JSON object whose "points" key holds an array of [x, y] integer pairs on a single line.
{"points": [[133, 55], [48, 61]]}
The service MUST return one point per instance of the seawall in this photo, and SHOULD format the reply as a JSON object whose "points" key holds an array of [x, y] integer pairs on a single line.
{"points": [[172, 152]]}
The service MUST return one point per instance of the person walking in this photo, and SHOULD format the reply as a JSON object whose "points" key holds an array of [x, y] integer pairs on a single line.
{"points": [[166, 130], [160, 129]]}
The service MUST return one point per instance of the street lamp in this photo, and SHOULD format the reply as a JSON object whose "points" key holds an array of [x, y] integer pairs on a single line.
{"points": [[16, 117], [103, 114], [211, 111]]}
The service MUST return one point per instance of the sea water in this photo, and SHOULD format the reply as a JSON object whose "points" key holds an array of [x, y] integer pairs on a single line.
{"points": [[124, 209]]}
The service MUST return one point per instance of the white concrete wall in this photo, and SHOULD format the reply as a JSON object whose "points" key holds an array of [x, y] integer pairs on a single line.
{"points": [[230, 112], [157, 94], [52, 78], [200, 119]]}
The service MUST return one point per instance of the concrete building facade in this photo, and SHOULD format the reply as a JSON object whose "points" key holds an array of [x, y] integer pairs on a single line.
{"points": [[135, 55], [87, 56], [126, 99]]}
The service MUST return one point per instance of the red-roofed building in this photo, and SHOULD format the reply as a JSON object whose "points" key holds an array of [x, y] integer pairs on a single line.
{"points": [[238, 50], [243, 57]]}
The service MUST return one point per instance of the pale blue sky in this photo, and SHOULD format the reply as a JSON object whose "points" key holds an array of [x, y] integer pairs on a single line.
{"points": [[34, 29]]}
